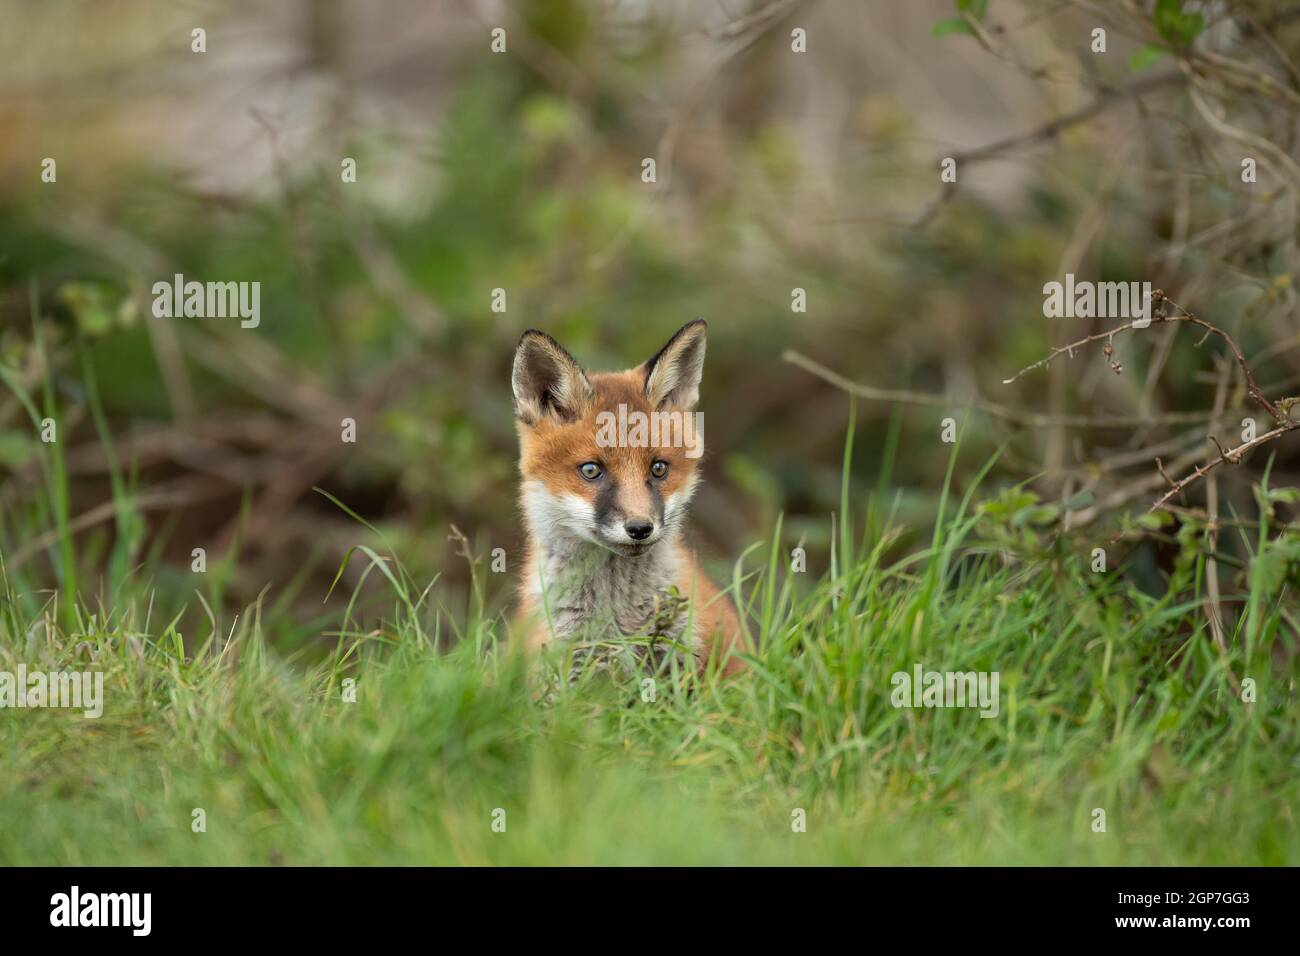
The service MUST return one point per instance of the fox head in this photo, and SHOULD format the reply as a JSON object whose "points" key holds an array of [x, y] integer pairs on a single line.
{"points": [[608, 458]]}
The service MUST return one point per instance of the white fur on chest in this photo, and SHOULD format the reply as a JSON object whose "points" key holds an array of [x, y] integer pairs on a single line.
{"points": [[588, 592]]}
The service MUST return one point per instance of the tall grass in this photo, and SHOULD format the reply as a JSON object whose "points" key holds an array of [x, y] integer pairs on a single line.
{"points": [[1110, 700]]}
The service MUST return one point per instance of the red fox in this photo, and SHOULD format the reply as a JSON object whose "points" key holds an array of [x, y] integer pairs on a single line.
{"points": [[609, 464]]}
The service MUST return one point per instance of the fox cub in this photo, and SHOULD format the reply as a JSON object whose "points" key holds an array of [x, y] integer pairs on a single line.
{"points": [[605, 504]]}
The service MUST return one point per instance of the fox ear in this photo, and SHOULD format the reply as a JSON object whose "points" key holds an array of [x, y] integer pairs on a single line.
{"points": [[546, 380], [672, 378]]}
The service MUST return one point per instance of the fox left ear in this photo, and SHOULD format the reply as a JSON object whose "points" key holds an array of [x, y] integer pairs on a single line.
{"points": [[672, 377], [547, 381]]}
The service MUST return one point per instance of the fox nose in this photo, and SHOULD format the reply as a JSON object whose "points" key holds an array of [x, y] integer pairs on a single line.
{"points": [[638, 528]]}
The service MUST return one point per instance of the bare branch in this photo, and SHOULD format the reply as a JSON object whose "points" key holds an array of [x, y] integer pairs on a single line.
{"points": [[1016, 416], [1159, 299], [1232, 455]]}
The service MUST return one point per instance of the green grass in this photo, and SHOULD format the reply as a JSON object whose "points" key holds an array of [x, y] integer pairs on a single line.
{"points": [[1109, 699]]}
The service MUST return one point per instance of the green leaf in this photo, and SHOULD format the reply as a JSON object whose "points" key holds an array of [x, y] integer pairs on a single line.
{"points": [[1009, 502], [1168, 16], [977, 8], [1193, 24], [90, 304], [1269, 570], [1035, 515], [1146, 57], [1082, 500], [1045, 515], [1155, 520], [948, 27], [1174, 25]]}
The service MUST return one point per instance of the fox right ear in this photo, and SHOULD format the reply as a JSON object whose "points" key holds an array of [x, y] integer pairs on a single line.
{"points": [[547, 381], [672, 377]]}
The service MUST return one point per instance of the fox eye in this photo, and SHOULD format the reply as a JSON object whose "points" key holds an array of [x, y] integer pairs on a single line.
{"points": [[590, 470], [659, 469]]}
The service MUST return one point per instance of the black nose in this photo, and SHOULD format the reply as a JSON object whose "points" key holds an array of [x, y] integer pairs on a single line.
{"points": [[638, 530]]}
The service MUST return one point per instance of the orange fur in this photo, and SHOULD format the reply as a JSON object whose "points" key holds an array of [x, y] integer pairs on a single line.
{"points": [[577, 526]]}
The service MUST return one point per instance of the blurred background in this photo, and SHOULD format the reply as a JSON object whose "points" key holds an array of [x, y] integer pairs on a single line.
{"points": [[798, 146]]}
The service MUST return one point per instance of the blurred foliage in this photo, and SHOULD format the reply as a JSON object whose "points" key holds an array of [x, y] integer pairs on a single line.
{"points": [[525, 177]]}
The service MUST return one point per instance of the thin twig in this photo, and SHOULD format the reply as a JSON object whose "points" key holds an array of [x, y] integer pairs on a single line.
{"points": [[1159, 299], [1031, 419], [1232, 455]]}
